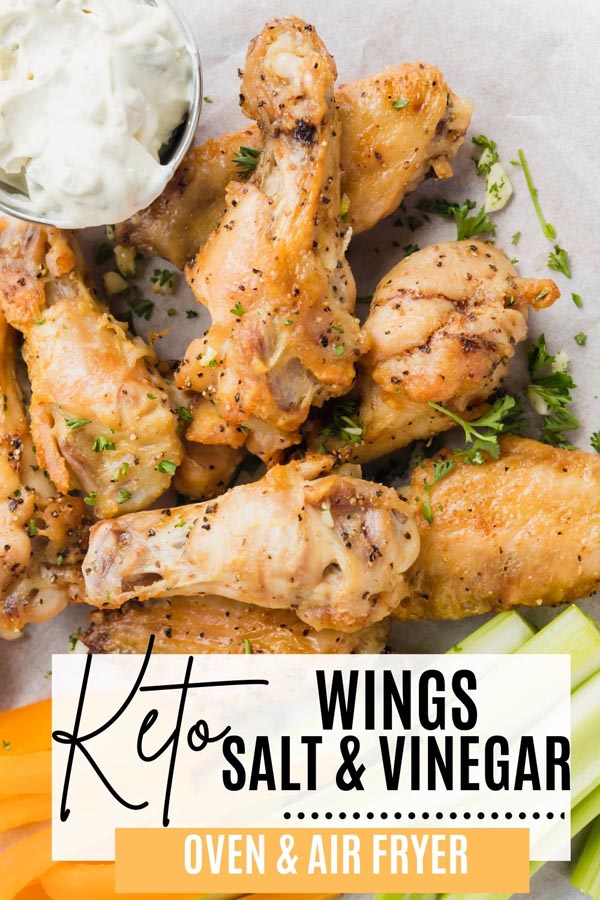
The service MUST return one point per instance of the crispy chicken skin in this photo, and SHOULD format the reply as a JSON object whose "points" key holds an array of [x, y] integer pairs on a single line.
{"points": [[42, 539], [93, 386], [522, 530], [385, 153], [216, 625], [443, 326], [331, 548], [273, 274]]}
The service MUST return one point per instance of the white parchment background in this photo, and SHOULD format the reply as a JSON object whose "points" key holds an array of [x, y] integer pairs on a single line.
{"points": [[532, 70]]}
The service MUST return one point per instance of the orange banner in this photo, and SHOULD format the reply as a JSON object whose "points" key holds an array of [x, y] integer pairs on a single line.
{"points": [[365, 860]]}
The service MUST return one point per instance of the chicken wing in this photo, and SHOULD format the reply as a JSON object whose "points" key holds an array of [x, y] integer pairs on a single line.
{"points": [[216, 625], [331, 548], [385, 153], [520, 530], [274, 275], [100, 413], [443, 326], [43, 539]]}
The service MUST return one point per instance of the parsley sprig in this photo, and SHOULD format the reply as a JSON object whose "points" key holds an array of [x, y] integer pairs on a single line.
{"points": [[344, 425], [549, 394], [441, 469], [558, 260], [547, 228], [481, 435], [467, 226]]}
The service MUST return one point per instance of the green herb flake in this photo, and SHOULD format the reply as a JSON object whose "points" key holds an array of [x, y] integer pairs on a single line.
{"points": [[103, 253], [339, 349], [166, 467], [191, 314], [32, 529], [558, 260], [247, 646], [467, 226], [73, 638], [151, 396], [515, 238], [102, 443], [595, 441], [73, 422], [581, 339], [163, 281], [124, 496], [400, 103], [481, 435], [441, 469], [91, 498], [246, 160], [121, 472], [344, 425], [6, 745], [237, 310], [183, 414], [576, 298]]}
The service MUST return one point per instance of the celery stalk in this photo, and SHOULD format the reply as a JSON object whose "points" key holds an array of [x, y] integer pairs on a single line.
{"points": [[571, 632], [586, 875], [505, 633], [585, 728], [406, 897]]}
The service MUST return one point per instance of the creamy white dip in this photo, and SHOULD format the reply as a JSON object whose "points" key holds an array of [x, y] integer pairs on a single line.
{"points": [[90, 90]]}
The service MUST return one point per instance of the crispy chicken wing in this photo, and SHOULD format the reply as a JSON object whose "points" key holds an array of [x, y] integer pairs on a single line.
{"points": [[443, 326], [43, 539], [274, 275], [520, 530], [216, 625], [385, 153], [100, 413], [331, 548]]}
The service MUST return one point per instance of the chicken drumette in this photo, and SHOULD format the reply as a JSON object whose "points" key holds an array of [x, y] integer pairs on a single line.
{"points": [[100, 413], [42, 537], [274, 275], [523, 530], [385, 153], [216, 625], [443, 326], [331, 548]]}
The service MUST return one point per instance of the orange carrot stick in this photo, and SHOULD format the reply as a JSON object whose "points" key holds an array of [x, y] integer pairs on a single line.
{"points": [[91, 881], [290, 896], [21, 810], [24, 862], [25, 773], [27, 728]]}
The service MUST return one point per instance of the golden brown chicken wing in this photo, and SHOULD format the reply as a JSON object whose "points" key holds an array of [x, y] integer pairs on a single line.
{"points": [[216, 625], [331, 548], [274, 275], [523, 530], [100, 413], [42, 539], [443, 326], [385, 153]]}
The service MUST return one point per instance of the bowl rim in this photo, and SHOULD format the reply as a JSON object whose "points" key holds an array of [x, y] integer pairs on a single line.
{"points": [[169, 168]]}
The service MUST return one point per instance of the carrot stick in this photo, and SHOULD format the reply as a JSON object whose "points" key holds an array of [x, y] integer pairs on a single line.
{"points": [[91, 881], [24, 862], [287, 896], [25, 773], [27, 728], [20, 810]]}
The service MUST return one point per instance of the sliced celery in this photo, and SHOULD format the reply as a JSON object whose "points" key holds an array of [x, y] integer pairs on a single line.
{"points": [[585, 729], [586, 875], [406, 897], [505, 633], [571, 632]]}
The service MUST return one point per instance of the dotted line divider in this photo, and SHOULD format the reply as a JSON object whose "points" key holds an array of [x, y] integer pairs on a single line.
{"points": [[425, 815]]}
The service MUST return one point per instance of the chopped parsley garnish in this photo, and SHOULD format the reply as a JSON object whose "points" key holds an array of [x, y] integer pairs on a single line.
{"points": [[441, 469], [140, 306], [547, 228], [343, 426], [60, 558], [73, 422], [489, 155], [237, 310], [163, 281], [515, 238], [5, 745], [32, 528], [121, 472], [576, 298], [103, 443], [549, 394], [400, 103], [365, 299], [481, 435], [151, 396], [339, 349], [247, 646], [581, 339], [246, 160], [559, 261], [288, 322], [166, 467], [171, 312], [124, 496], [91, 498], [595, 441], [410, 249], [191, 314], [208, 99], [103, 253], [498, 189], [73, 638], [466, 226], [183, 413]]}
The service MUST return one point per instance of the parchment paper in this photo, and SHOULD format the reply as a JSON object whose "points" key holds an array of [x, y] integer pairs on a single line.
{"points": [[531, 68]]}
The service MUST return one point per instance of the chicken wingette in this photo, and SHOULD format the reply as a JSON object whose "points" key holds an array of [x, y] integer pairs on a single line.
{"points": [[523, 530], [274, 274], [385, 153], [42, 538], [100, 414], [331, 547], [216, 625], [443, 327]]}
